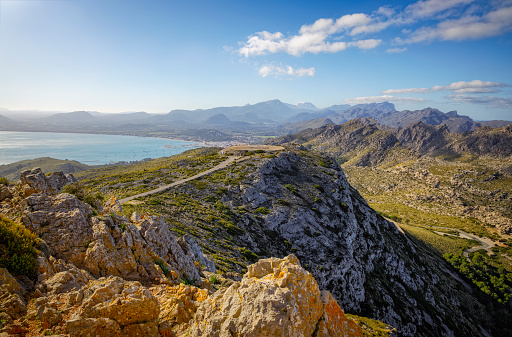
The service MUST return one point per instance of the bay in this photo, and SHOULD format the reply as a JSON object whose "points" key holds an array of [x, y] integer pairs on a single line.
{"points": [[86, 148]]}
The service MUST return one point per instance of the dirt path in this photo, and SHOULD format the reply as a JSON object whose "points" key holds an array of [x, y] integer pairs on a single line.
{"points": [[221, 165]]}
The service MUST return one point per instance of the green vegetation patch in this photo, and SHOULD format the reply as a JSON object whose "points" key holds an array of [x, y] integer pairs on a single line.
{"points": [[482, 271], [18, 248]]}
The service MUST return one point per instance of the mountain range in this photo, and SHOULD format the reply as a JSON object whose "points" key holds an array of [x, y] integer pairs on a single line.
{"points": [[266, 118]]}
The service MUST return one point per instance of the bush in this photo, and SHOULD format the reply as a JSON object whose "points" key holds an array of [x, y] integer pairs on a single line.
{"points": [[77, 190], [214, 279], [4, 181], [164, 268], [262, 210], [18, 252], [292, 189], [249, 255], [282, 202]]}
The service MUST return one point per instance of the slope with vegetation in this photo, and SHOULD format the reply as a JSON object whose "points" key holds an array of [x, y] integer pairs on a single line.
{"points": [[299, 202]]}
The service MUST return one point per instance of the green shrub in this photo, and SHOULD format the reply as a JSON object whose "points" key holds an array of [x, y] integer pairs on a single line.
{"points": [[282, 202], [4, 181], [318, 187], [77, 190], [262, 210], [249, 255], [164, 268], [344, 206], [18, 252], [292, 189], [214, 279]]}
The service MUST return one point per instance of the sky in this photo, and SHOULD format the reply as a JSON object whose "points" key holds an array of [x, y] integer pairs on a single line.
{"points": [[156, 56]]}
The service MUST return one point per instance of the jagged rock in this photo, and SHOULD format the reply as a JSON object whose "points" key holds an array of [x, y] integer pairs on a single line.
{"points": [[108, 245], [127, 303], [197, 252], [276, 297], [12, 303], [49, 316], [35, 181], [10, 283], [86, 327], [179, 304], [58, 276], [158, 236], [4, 192]]}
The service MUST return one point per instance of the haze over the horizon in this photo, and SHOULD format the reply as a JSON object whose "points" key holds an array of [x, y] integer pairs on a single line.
{"points": [[155, 56]]}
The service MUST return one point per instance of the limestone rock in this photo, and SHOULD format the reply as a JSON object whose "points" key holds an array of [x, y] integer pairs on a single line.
{"points": [[179, 305], [197, 252], [35, 181], [4, 192], [10, 283], [158, 236], [12, 303], [276, 297], [126, 302], [86, 327]]}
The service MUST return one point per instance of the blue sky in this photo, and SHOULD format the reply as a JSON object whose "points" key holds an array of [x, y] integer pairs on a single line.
{"points": [[155, 56]]}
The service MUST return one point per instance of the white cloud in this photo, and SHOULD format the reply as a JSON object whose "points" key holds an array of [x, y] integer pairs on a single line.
{"points": [[383, 98], [396, 50], [428, 8], [475, 86], [491, 101], [287, 71], [312, 38], [467, 27], [446, 20]]}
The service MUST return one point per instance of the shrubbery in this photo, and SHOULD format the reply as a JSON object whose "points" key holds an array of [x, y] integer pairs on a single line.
{"points": [[77, 190], [18, 251]]}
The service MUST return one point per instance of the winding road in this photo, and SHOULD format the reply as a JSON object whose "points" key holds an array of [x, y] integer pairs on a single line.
{"points": [[219, 166]]}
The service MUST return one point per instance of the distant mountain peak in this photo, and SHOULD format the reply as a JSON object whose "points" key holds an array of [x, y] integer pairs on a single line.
{"points": [[307, 105]]}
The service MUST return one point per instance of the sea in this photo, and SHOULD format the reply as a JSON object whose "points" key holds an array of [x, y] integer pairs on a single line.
{"points": [[86, 148]]}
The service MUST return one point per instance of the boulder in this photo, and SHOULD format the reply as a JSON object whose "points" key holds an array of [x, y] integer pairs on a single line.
{"points": [[10, 283], [35, 181], [113, 306], [179, 305], [4, 192], [276, 297]]}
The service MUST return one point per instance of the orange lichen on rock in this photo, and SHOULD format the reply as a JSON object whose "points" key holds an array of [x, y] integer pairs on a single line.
{"points": [[276, 297], [334, 322]]}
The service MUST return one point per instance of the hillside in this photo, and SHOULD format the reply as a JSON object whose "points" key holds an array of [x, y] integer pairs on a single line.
{"points": [[12, 171], [425, 176], [75, 268], [300, 202]]}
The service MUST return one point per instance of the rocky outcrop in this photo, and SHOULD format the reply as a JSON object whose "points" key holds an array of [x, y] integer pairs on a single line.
{"points": [[111, 304], [107, 244], [276, 297]]}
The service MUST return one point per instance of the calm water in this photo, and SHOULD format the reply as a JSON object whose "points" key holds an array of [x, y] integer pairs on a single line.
{"points": [[87, 149]]}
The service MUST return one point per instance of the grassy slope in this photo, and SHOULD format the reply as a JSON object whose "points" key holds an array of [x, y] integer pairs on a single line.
{"points": [[12, 171]]}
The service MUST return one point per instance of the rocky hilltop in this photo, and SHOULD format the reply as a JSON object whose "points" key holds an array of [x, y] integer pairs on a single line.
{"points": [[301, 202], [427, 167], [92, 271]]}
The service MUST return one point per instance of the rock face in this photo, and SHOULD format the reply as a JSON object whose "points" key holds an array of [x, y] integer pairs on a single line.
{"points": [[111, 303], [108, 244], [276, 297], [369, 266]]}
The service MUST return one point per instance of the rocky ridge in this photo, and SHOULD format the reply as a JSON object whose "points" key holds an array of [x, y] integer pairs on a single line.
{"points": [[301, 202], [101, 273]]}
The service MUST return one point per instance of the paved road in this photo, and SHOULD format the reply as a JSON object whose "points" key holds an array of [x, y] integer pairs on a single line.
{"points": [[221, 165]]}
